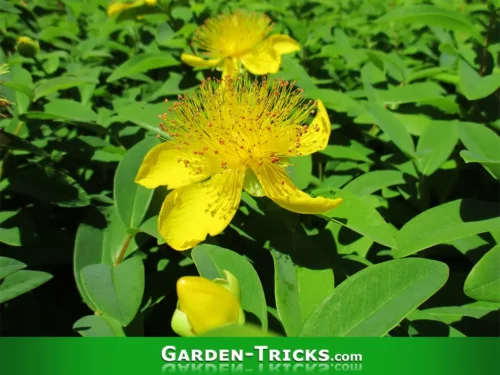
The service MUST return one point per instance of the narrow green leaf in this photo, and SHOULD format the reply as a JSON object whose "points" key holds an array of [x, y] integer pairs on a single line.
{"points": [[472, 85], [435, 145], [49, 185], [52, 85], [376, 299], [411, 93], [140, 64], [9, 266], [371, 182], [396, 131], [21, 282], [447, 222], [358, 215], [483, 282], [483, 146], [131, 199], [432, 16], [65, 109]]}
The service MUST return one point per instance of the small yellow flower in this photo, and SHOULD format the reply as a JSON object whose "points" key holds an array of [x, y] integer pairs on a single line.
{"points": [[118, 7], [228, 41], [229, 137], [204, 305]]}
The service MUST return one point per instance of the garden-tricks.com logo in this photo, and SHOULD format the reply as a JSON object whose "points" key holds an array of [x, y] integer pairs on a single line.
{"points": [[259, 358]]}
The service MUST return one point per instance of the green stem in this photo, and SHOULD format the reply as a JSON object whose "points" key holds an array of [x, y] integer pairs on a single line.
{"points": [[123, 250], [486, 43]]}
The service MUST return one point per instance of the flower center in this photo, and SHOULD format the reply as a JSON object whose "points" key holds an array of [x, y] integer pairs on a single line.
{"points": [[232, 35], [237, 125]]}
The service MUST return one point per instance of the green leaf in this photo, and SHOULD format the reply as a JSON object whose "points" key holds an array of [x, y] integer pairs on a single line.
{"points": [[212, 260], [358, 215], [374, 300], [300, 171], [98, 326], [49, 86], [99, 240], [21, 282], [165, 34], [472, 85], [396, 131], [344, 152], [435, 145], [411, 93], [49, 185], [483, 282], [131, 199], [23, 84], [432, 16], [143, 115], [371, 182], [13, 142], [296, 288], [447, 222], [65, 109], [141, 63], [246, 330], [9, 266], [116, 291], [483, 146], [335, 100]]}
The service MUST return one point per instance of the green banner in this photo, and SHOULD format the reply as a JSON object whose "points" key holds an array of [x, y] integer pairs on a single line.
{"points": [[75, 356]]}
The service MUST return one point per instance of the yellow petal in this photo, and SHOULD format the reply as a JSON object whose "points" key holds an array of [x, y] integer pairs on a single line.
{"points": [[262, 60], [278, 187], [284, 44], [192, 212], [206, 304], [314, 138], [230, 68], [164, 166], [198, 62]]}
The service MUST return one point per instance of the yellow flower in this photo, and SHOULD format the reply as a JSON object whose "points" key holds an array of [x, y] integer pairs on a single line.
{"points": [[240, 38], [204, 305], [118, 7], [227, 138]]}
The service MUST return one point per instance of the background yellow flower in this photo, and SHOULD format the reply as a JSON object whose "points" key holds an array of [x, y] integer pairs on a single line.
{"points": [[240, 39]]}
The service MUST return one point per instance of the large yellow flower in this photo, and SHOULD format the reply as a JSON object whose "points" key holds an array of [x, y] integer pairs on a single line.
{"points": [[228, 41], [228, 137]]}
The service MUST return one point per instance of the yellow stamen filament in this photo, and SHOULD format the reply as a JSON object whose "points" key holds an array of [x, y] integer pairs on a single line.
{"points": [[240, 124]]}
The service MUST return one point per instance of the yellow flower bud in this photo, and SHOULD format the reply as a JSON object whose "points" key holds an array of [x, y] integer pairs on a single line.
{"points": [[27, 47], [120, 6], [205, 305]]}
